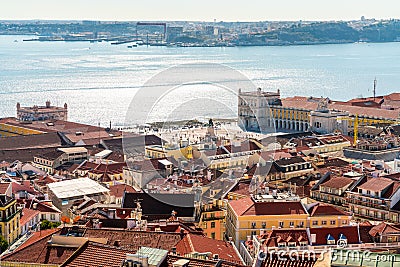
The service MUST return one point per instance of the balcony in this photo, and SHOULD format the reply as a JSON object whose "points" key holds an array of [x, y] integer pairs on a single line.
{"points": [[213, 218], [370, 204]]}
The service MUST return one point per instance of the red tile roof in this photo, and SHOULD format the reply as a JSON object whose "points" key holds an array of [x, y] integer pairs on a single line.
{"points": [[241, 205], [338, 182], [36, 236], [306, 103], [134, 239], [16, 187], [325, 210], [376, 184], [40, 252], [94, 255], [197, 243], [201, 263], [383, 228], [273, 260], [271, 238], [46, 206], [4, 187], [246, 207], [321, 234], [27, 215]]}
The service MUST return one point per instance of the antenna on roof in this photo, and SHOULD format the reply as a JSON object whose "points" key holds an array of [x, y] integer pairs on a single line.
{"points": [[99, 134]]}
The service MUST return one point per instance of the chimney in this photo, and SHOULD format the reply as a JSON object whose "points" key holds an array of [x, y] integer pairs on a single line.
{"points": [[48, 104], [117, 243], [182, 233]]}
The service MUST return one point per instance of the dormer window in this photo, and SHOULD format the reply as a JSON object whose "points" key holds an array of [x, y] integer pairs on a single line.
{"points": [[342, 237], [330, 240], [282, 244]]}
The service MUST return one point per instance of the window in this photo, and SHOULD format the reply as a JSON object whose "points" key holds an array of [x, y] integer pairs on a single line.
{"points": [[303, 244], [213, 235], [333, 222], [280, 224], [253, 233], [291, 224], [264, 224], [323, 222], [253, 225], [212, 224], [344, 222], [281, 244], [53, 216], [43, 216]]}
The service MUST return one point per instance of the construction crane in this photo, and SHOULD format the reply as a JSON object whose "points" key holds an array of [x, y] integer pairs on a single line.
{"points": [[356, 121]]}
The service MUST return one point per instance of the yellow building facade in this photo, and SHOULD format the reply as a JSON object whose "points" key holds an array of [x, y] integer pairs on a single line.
{"points": [[9, 219], [7, 130], [212, 219], [247, 217]]}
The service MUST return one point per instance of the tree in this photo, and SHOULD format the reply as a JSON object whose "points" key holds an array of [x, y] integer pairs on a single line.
{"points": [[3, 243], [45, 224]]}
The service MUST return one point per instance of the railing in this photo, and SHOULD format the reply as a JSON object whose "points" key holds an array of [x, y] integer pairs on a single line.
{"points": [[368, 204], [212, 218]]}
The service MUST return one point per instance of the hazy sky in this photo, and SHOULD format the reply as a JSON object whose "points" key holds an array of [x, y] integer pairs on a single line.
{"points": [[201, 10]]}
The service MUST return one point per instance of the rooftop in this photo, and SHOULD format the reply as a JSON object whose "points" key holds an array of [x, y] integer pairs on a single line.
{"points": [[247, 207], [76, 187], [376, 184], [338, 182]]}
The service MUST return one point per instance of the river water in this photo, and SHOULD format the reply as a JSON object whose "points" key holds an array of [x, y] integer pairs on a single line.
{"points": [[99, 80]]}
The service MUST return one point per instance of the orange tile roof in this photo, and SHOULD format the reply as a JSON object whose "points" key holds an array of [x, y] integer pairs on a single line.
{"points": [[247, 207], [95, 255], [376, 184], [120, 189], [383, 228], [338, 182], [4, 187], [326, 210], [197, 243], [239, 206], [40, 252], [27, 215], [134, 239], [305, 103], [36, 236]]}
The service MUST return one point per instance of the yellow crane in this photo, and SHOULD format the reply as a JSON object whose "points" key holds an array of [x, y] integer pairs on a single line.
{"points": [[356, 121]]}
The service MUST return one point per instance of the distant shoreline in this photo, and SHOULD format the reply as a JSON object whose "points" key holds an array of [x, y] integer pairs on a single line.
{"points": [[190, 45]]}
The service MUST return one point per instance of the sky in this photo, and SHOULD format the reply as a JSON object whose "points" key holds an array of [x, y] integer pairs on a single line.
{"points": [[200, 10]]}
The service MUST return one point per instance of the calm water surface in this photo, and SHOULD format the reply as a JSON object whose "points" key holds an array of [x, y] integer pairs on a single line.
{"points": [[98, 80]]}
